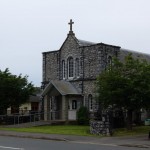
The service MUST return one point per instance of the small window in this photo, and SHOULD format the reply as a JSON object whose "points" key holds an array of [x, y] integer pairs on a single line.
{"points": [[109, 62], [81, 63], [63, 69], [77, 67], [70, 67], [74, 104], [90, 100]]}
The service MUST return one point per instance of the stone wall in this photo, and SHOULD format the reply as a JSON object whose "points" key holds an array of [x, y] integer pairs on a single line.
{"points": [[100, 128], [70, 48], [50, 66], [89, 89], [91, 64], [96, 59]]}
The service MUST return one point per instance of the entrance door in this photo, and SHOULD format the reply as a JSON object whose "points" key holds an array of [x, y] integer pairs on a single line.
{"points": [[55, 107], [72, 110]]}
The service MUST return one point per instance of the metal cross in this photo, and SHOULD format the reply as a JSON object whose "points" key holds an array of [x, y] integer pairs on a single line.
{"points": [[71, 23]]}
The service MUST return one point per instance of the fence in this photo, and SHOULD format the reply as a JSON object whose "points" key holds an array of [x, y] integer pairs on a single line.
{"points": [[30, 116], [20, 118]]}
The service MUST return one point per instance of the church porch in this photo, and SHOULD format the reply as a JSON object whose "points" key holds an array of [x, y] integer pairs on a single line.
{"points": [[61, 101]]}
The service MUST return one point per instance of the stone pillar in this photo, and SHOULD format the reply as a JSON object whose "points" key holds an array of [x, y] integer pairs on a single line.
{"points": [[46, 108], [64, 108]]}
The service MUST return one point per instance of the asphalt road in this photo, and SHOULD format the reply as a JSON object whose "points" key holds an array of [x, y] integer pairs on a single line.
{"points": [[14, 143]]}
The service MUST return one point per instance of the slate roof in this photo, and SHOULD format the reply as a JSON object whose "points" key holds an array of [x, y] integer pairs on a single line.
{"points": [[63, 87], [36, 95], [135, 54], [84, 43], [34, 98]]}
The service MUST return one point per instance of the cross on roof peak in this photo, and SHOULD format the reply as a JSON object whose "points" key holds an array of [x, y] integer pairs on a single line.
{"points": [[71, 23]]}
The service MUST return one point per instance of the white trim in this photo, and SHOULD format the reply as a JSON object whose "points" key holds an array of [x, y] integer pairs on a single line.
{"points": [[4, 147]]}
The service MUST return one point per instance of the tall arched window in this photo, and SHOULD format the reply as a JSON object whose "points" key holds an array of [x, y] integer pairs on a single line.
{"points": [[70, 67], [109, 62], [63, 69], [90, 101], [77, 67]]}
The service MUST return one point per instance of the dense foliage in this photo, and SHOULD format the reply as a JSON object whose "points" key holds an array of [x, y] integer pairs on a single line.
{"points": [[14, 90], [83, 116], [125, 85]]}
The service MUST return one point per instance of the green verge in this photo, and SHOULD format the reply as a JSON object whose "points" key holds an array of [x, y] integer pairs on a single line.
{"points": [[135, 131], [78, 130], [55, 129]]}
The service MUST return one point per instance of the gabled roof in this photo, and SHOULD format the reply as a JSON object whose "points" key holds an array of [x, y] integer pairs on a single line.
{"points": [[63, 87], [34, 98], [80, 42]]}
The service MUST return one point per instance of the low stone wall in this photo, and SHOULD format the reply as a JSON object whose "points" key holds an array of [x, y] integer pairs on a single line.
{"points": [[100, 128]]}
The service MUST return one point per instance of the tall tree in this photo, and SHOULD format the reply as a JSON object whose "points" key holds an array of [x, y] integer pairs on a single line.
{"points": [[14, 90], [125, 85]]}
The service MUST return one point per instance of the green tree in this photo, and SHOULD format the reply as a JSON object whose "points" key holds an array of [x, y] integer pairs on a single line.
{"points": [[14, 90], [125, 85]]}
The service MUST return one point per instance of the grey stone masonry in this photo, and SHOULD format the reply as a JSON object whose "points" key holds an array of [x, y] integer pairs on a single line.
{"points": [[50, 65], [100, 128], [95, 58], [88, 60]]}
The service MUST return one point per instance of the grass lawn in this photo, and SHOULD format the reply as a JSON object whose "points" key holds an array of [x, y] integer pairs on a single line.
{"points": [[55, 129], [78, 130], [135, 131]]}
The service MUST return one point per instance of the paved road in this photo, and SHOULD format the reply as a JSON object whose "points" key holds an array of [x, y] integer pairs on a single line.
{"points": [[141, 140], [15, 143]]}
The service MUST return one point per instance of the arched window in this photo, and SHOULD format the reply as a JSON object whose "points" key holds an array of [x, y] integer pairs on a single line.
{"points": [[63, 69], [70, 67], [90, 101], [109, 62], [77, 67]]}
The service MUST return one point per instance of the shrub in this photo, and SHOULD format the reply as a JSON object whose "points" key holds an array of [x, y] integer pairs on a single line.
{"points": [[83, 116]]}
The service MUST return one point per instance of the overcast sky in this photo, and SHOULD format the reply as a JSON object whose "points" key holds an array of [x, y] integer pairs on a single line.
{"points": [[30, 27]]}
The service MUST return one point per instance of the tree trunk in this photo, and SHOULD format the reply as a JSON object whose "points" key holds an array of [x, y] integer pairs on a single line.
{"points": [[129, 119]]}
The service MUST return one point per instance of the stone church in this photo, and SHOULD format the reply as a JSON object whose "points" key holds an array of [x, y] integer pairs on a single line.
{"points": [[69, 75]]}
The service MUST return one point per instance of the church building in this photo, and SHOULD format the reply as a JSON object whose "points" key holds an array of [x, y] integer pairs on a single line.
{"points": [[69, 75]]}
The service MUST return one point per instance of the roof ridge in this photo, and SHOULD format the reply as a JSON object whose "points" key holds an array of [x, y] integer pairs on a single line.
{"points": [[84, 42]]}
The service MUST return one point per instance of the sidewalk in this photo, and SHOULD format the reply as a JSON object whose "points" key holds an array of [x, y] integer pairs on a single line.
{"points": [[141, 141]]}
